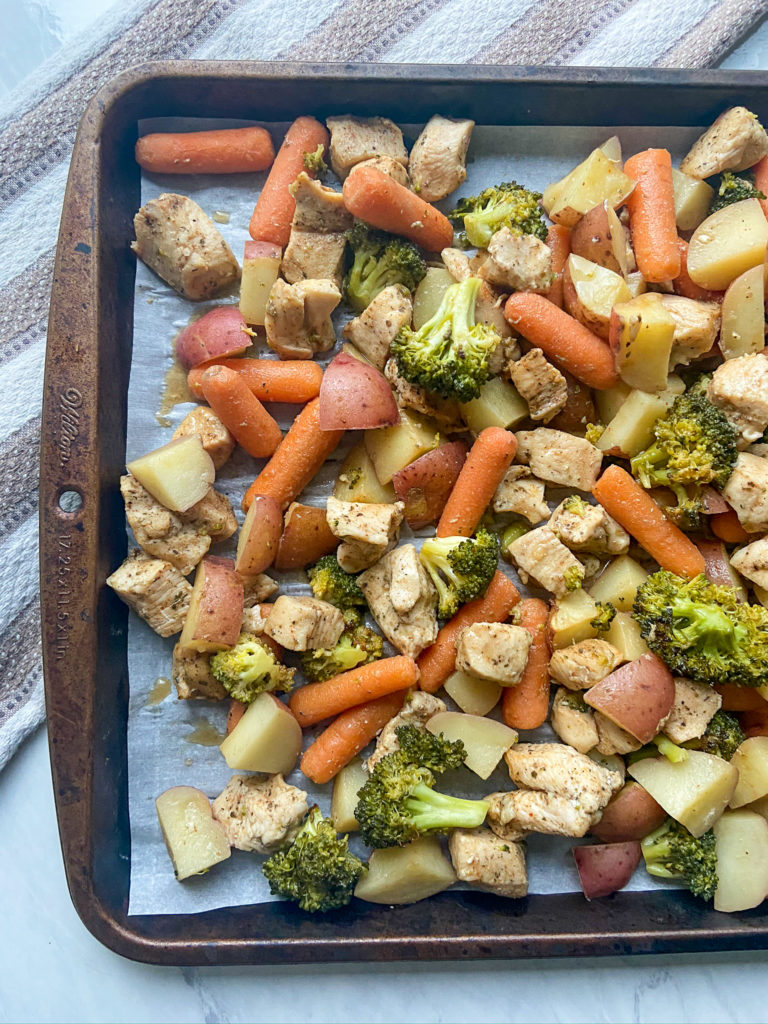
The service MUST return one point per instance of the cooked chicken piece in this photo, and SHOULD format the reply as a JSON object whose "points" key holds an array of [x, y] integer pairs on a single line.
{"points": [[212, 515], [573, 721], [541, 555], [405, 589], [540, 383], [581, 665], [375, 329], [510, 832], [259, 814], [314, 255], [752, 562], [392, 168], [747, 492], [520, 492], [584, 527], [456, 263], [192, 676], [559, 458], [740, 388], [298, 317], [255, 618], [438, 157], [493, 650], [481, 858], [318, 208], [177, 240], [592, 565], [414, 630], [419, 707], [155, 590], [411, 396], [216, 439], [367, 530], [734, 142], [760, 448], [304, 623], [521, 263], [530, 810], [693, 709], [257, 589], [613, 739], [697, 325], [354, 139]]}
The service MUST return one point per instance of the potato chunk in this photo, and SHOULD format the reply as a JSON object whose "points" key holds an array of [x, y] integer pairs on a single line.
{"points": [[194, 840]]}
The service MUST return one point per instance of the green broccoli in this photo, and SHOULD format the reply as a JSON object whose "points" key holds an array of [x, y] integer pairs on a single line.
{"points": [[397, 804], [509, 534], [316, 870], [461, 568], [450, 354], [605, 616], [701, 630], [357, 645], [593, 432], [250, 668], [508, 205], [734, 188], [695, 445], [660, 744], [573, 577], [672, 852], [721, 738], [576, 505], [379, 260], [314, 163], [330, 583]]}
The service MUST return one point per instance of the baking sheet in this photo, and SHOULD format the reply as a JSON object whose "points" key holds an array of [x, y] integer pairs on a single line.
{"points": [[164, 735]]}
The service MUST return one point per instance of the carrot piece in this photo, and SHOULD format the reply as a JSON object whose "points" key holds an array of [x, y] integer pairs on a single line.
{"points": [[624, 499], [235, 712], [377, 199], [222, 151], [559, 241], [651, 206], [683, 284], [726, 526], [569, 344], [481, 474], [241, 412], [760, 171], [438, 661], [740, 698], [273, 213], [526, 705], [271, 380], [306, 537], [317, 701], [300, 456], [347, 735]]}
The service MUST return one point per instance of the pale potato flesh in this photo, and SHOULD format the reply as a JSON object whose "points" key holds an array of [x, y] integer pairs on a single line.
{"points": [[742, 329], [630, 430], [751, 762], [473, 695], [485, 740], [692, 200], [406, 874], [591, 291], [642, 334], [178, 475], [571, 619], [195, 841], [497, 405], [346, 785], [594, 180], [727, 243], [624, 633], [266, 739], [357, 480], [694, 792], [429, 294], [611, 400], [393, 448], [258, 276], [741, 844], [618, 583]]}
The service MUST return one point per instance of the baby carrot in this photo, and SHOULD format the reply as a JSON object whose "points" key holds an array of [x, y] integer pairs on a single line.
{"points": [[347, 735], [222, 151], [316, 701], [306, 537], [240, 411], [300, 456], [559, 241], [273, 213], [651, 206], [684, 286], [569, 344], [271, 380], [481, 474], [526, 705], [439, 660], [383, 202], [726, 527], [638, 513]]}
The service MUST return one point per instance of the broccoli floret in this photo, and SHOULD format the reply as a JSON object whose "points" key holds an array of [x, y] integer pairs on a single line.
{"points": [[508, 205], [702, 631], [573, 577], [316, 870], [660, 744], [461, 568], [250, 668], [450, 354], [605, 616], [509, 534], [593, 432], [672, 852], [576, 505], [695, 445], [397, 804], [379, 260], [357, 645], [733, 188], [330, 583], [721, 738], [314, 163]]}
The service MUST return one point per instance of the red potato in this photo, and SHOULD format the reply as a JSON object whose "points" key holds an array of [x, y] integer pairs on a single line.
{"points": [[637, 697], [259, 536], [219, 333], [235, 712], [714, 503], [631, 815], [717, 567], [215, 607], [425, 484], [306, 537], [601, 238], [579, 408], [605, 869], [356, 396]]}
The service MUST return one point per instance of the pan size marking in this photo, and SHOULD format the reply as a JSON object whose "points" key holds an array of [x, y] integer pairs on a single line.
{"points": [[70, 403], [63, 596]]}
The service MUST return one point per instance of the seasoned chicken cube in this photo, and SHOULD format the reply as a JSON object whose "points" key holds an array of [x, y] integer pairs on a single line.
{"points": [[697, 325], [367, 530], [304, 623], [509, 831], [406, 586], [559, 458], [493, 650], [734, 142], [410, 396], [481, 858], [155, 590], [392, 168], [191, 675], [419, 707], [257, 589], [298, 317], [259, 814], [409, 632], [694, 707], [313, 255], [255, 618], [438, 157], [212, 515], [177, 240], [318, 208], [216, 439], [573, 720], [521, 263], [520, 492], [612, 738], [530, 810], [456, 263], [583, 664], [541, 555], [739, 387], [540, 383], [752, 562], [747, 492], [354, 139], [584, 527], [377, 326]]}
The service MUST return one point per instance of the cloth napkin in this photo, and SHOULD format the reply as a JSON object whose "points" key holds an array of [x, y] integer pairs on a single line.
{"points": [[38, 121]]}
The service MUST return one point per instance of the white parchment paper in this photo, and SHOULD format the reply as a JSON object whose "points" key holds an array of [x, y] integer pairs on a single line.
{"points": [[162, 751]]}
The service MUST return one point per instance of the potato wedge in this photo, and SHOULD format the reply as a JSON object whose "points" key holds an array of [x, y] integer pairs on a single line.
{"points": [[392, 448], [571, 619], [751, 762], [266, 739], [601, 238], [406, 874], [498, 405], [591, 291], [727, 243], [692, 200], [611, 400], [259, 536], [743, 325], [641, 335], [595, 180], [617, 584], [429, 294], [485, 740], [350, 779], [741, 843], [261, 267], [178, 475], [637, 696], [624, 633], [473, 695], [195, 841], [357, 480], [694, 792], [631, 814], [215, 607]]}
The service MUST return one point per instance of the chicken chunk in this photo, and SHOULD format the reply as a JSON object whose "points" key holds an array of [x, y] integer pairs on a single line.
{"points": [[747, 492], [212, 515], [409, 632], [318, 208], [520, 492], [734, 142], [377, 326], [314, 255], [419, 707], [257, 589], [509, 831], [191, 675], [481, 858], [405, 588], [456, 263], [259, 814], [255, 618], [612, 738], [438, 157], [354, 139], [583, 664], [298, 317], [304, 623], [540, 383], [530, 810], [697, 325], [739, 387], [752, 562], [521, 263], [155, 590], [391, 167], [367, 530], [216, 439], [183, 246], [584, 527], [573, 721], [694, 706], [559, 458], [493, 650], [541, 555], [410, 396]]}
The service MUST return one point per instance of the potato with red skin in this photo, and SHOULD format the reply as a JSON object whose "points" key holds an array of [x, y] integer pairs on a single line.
{"points": [[631, 815], [306, 537], [259, 536], [215, 607], [605, 869], [356, 396], [425, 484], [235, 712], [594, 239], [637, 696], [219, 333]]}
